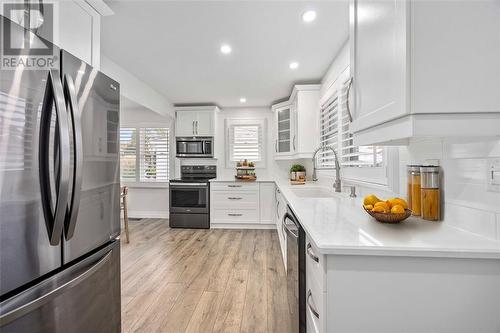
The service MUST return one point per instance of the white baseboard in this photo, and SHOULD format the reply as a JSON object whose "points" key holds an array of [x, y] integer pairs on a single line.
{"points": [[242, 226], [138, 214]]}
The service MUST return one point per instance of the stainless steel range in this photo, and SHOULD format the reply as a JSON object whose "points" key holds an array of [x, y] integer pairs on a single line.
{"points": [[190, 197]]}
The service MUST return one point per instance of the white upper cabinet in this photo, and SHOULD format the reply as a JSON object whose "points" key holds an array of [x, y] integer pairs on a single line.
{"points": [[285, 130], [185, 123], [195, 120], [378, 52], [75, 28], [424, 68], [205, 123], [295, 120]]}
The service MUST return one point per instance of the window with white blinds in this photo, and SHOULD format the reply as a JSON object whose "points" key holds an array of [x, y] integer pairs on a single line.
{"points": [[245, 142], [154, 154], [128, 154], [329, 130], [335, 132], [351, 155], [144, 154]]}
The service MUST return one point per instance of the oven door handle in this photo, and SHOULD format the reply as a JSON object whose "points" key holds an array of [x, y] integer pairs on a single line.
{"points": [[188, 184]]}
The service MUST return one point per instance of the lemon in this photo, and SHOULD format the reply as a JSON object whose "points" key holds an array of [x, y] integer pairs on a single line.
{"points": [[379, 209], [369, 207], [370, 200], [384, 205], [399, 201], [397, 209]]}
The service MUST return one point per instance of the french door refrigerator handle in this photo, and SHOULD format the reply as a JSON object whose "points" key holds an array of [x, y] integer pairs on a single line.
{"points": [[38, 302], [74, 202], [54, 96]]}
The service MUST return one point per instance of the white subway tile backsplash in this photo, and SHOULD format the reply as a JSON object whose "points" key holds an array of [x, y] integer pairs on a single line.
{"points": [[472, 195], [468, 204], [498, 227], [473, 220], [471, 147], [470, 171]]}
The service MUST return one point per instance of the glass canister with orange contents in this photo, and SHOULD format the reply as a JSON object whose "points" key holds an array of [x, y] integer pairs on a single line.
{"points": [[414, 186], [431, 193]]}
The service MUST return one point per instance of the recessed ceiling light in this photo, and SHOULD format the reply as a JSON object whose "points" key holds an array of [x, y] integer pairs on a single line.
{"points": [[309, 16], [294, 65], [225, 49], [243, 100]]}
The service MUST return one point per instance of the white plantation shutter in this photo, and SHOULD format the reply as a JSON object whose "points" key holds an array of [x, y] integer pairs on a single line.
{"points": [[329, 116], [128, 154], [351, 155], [245, 142], [154, 154]]}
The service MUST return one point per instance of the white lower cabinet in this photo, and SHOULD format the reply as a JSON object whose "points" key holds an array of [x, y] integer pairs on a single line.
{"points": [[375, 293], [280, 215], [235, 216], [315, 289], [236, 204], [266, 203]]}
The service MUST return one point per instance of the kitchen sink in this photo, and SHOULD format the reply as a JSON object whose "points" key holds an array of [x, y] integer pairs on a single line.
{"points": [[313, 192]]}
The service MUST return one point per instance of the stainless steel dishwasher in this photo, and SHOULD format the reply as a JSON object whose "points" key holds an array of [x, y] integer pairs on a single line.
{"points": [[296, 271]]}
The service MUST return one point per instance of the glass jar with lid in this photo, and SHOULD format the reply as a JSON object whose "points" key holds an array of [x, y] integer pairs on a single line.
{"points": [[430, 192], [414, 190]]}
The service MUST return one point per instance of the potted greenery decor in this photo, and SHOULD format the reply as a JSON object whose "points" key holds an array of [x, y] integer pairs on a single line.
{"points": [[297, 172]]}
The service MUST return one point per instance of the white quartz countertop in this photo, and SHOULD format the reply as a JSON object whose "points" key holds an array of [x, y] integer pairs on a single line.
{"points": [[227, 180], [337, 224]]}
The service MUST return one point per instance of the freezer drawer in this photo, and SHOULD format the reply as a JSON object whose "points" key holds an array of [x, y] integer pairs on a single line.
{"points": [[82, 298]]}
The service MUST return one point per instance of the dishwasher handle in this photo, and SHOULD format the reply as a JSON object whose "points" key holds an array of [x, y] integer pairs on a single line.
{"points": [[286, 225]]}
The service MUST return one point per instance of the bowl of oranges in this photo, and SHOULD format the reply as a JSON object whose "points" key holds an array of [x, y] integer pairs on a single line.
{"points": [[393, 210]]}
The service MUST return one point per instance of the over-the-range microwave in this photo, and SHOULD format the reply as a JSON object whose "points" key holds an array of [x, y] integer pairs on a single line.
{"points": [[201, 146]]}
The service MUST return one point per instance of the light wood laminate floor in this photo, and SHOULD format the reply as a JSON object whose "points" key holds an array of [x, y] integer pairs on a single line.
{"points": [[186, 280]]}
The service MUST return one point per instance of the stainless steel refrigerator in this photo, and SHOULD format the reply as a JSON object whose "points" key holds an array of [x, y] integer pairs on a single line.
{"points": [[59, 197]]}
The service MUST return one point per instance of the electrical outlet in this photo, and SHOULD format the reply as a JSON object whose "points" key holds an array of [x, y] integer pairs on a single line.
{"points": [[493, 175]]}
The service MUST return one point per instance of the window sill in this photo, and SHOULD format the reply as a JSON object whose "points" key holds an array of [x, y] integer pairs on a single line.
{"points": [[146, 185]]}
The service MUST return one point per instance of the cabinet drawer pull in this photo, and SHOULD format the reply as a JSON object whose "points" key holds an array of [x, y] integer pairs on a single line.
{"points": [[233, 185], [311, 254], [232, 214], [234, 198], [313, 310]]}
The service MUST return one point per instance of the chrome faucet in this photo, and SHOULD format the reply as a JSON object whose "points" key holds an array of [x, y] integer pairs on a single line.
{"points": [[337, 185]]}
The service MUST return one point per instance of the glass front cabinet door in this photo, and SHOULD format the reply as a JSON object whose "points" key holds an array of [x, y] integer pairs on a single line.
{"points": [[285, 133]]}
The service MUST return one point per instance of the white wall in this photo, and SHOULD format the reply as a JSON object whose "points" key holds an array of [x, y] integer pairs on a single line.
{"points": [[136, 90], [148, 201], [467, 203]]}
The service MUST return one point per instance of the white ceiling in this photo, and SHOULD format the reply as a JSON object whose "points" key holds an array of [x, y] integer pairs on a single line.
{"points": [[174, 46]]}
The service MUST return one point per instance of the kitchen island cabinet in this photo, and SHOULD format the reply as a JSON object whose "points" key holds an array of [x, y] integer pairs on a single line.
{"points": [[416, 276]]}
